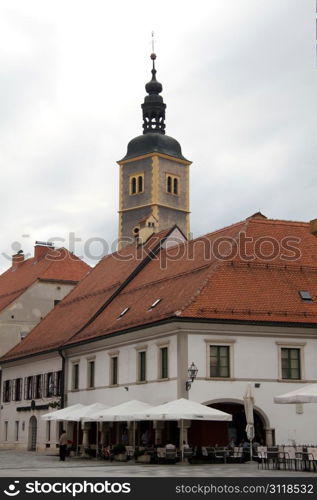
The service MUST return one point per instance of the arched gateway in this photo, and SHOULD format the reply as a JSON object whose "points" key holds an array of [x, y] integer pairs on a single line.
{"points": [[212, 433]]}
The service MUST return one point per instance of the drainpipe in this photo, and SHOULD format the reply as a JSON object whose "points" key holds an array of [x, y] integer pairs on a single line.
{"points": [[63, 378]]}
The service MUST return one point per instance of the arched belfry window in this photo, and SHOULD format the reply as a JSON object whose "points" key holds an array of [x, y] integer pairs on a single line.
{"points": [[175, 185], [136, 184], [133, 185], [169, 184], [172, 184], [140, 184]]}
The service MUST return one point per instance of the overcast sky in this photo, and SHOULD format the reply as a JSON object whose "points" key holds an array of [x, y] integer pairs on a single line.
{"points": [[239, 80]]}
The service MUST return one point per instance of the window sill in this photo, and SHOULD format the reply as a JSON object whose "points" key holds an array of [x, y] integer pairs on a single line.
{"points": [[163, 379], [230, 379], [90, 388], [141, 382], [296, 380]]}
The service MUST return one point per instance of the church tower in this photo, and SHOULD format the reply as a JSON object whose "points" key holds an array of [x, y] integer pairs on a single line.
{"points": [[154, 175]]}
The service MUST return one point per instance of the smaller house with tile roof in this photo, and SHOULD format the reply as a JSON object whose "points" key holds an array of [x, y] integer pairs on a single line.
{"points": [[30, 288]]}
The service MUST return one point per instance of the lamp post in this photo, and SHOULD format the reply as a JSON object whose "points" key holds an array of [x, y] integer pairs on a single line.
{"points": [[192, 374]]}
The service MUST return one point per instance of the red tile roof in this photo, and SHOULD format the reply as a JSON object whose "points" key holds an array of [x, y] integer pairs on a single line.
{"points": [[250, 271], [56, 265], [72, 313]]}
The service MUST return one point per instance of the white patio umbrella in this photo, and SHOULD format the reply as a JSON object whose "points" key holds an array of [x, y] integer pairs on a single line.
{"points": [[84, 411], [183, 409], [306, 394], [248, 409], [59, 415], [124, 412]]}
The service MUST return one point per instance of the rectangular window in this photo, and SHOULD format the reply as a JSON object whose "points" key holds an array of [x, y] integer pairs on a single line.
{"points": [[6, 428], [291, 363], [91, 374], [29, 388], [164, 362], [17, 423], [75, 377], [38, 386], [114, 370], [18, 389], [6, 393], [219, 361], [58, 385], [49, 385], [48, 430], [142, 366]]}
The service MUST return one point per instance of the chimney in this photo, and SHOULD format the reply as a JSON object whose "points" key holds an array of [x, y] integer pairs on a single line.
{"points": [[313, 227], [18, 259], [41, 249]]}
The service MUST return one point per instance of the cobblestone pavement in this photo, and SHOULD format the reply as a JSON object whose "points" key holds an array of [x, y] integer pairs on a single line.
{"points": [[32, 464]]}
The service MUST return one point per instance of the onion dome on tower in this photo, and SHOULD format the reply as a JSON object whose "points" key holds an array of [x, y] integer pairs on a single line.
{"points": [[154, 139]]}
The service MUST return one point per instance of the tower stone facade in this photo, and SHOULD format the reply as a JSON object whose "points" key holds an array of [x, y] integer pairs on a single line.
{"points": [[154, 176]]}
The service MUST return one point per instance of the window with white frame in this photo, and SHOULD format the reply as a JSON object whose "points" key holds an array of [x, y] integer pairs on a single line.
{"points": [[291, 360], [91, 374], [163, 365], [16, 430], [6, 393], [291, 363], [48, 430], [142, 366], [75, 376], [219, 358], [6, 430], [114, 370], [219, 361]]}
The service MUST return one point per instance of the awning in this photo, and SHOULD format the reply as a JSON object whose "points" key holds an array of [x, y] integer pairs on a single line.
{"points": [[123, 412], [182, 409], [63, 413], [85, 411], [306, 394]]}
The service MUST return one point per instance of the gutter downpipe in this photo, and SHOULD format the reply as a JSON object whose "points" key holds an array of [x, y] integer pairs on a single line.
{"points": [[60, 352]]}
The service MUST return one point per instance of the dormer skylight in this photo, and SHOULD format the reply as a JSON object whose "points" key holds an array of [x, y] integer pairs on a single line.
{"points": [[157, 301], [125, 310], [305, 296]]}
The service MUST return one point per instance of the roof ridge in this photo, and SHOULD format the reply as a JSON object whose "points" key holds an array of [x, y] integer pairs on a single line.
{"points": [[144, 262], [279, 221], [65, 303], [168, 278]]}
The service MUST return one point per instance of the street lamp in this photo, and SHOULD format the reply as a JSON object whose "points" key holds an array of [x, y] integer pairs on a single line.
{"points": [[192, 374]]}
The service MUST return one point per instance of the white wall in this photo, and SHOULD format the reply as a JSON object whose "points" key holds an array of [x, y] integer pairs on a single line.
{"points": [[152, 391], [32, 366], [256, 359]]}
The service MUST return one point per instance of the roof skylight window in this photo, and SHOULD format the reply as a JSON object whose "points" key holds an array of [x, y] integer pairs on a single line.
{"points": [[157, 301], [125, 310], [304, 295]]}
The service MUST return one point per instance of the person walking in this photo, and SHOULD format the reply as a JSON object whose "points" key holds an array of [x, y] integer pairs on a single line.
{"points": [[62, 446]]}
